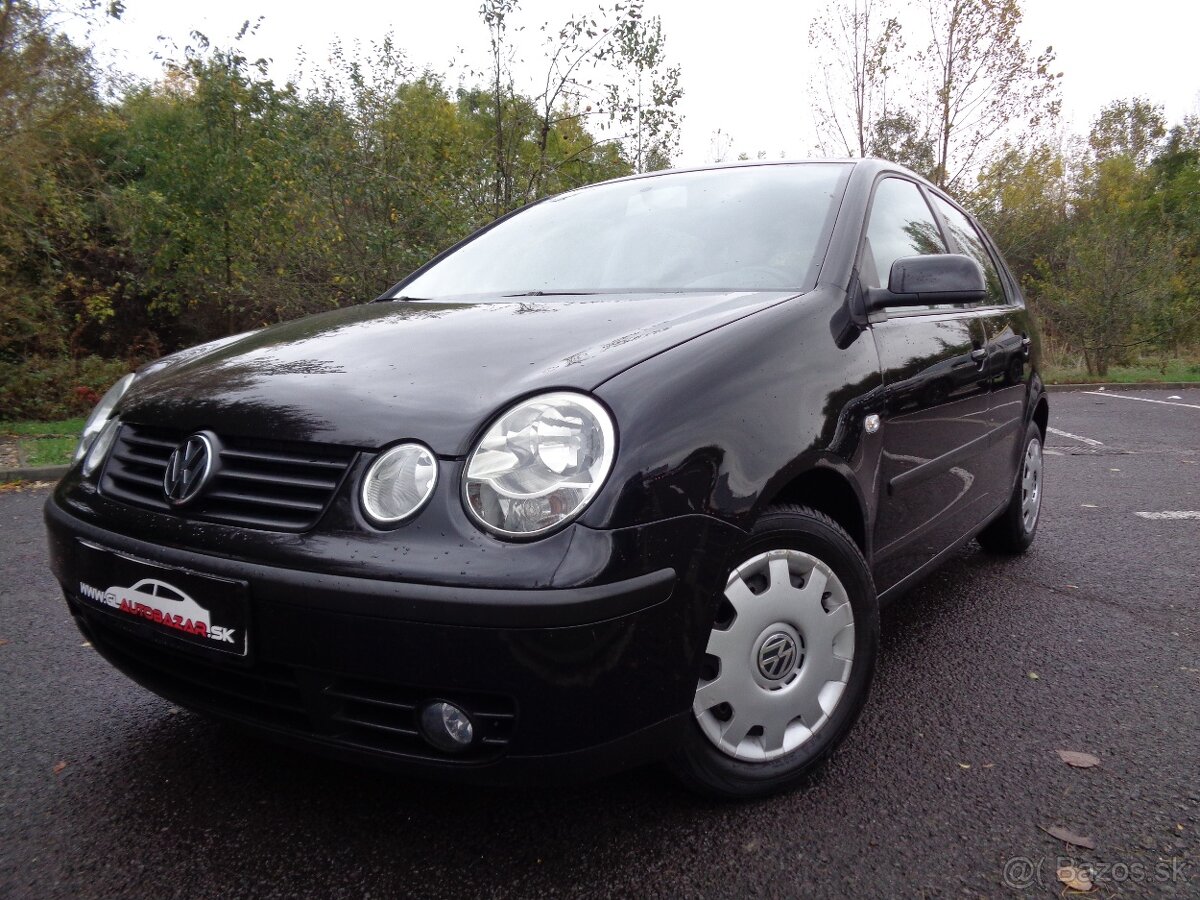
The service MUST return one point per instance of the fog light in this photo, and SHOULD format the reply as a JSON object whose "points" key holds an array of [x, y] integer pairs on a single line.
{"points": [[446, 726]]}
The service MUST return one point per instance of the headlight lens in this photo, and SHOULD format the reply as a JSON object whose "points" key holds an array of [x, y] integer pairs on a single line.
{"points": [[100, 447], [99, 417], [399, 483], [539, 465]]}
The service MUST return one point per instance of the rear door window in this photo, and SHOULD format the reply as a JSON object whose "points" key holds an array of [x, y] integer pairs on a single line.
{"points": [[969, 242]]}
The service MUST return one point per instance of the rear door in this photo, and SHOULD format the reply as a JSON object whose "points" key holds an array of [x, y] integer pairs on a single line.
{"points": [[935, 423], [1006, 325]]}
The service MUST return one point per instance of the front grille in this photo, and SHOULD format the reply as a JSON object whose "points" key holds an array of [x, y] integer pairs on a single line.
{"points": [[359, 714], [274, 485]]}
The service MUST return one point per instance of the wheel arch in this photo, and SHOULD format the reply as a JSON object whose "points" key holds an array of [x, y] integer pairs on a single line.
{"points": [[825, 488], [1041, 415]]}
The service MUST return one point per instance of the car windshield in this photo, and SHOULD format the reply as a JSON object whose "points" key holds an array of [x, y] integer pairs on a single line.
{"points": [[742, 228]]}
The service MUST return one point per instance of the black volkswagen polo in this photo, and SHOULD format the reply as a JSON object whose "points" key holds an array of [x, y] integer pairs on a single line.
{"points": [[624, 476]]}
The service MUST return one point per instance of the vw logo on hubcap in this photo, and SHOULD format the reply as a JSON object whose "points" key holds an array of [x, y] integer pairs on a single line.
{"points": [[188, 469], [777, 656]]}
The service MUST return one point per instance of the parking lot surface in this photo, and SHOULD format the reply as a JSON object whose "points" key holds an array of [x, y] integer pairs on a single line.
{"points": [[1090, 642]]}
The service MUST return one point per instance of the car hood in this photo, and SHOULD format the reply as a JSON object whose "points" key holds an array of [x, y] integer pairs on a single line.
{"points": [[424, 370]]}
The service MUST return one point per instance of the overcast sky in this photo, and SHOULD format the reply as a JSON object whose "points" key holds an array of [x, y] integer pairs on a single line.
{"points": [[745, 64]]}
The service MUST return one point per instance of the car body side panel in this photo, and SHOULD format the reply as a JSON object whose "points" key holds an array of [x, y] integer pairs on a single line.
{"points": [[727, 420], [1010, 369], [936, 438]]}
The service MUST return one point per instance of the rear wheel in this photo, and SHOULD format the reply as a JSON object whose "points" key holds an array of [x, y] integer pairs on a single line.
{"points": [[789, 659], [1015, 528]]}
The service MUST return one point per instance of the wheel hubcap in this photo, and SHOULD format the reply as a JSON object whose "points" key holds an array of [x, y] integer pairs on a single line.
{"points": [[1031, 485], [778, 658]]}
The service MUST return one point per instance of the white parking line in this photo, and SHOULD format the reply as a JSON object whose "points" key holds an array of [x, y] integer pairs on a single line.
{"points": [[1075, 437], [1143, 399], [1171, 514]]}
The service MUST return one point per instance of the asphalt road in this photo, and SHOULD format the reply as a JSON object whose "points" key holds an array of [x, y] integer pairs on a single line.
{"points": [[1090, 642]]}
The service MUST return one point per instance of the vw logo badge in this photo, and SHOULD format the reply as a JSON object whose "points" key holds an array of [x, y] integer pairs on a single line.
{"points": [[188, 469], [777, 656]]}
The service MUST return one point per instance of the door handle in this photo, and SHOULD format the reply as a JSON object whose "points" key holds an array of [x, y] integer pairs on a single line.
{"points": [[1025, 344]]}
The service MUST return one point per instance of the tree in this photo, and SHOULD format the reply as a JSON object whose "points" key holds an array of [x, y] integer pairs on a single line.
{"points": [[643, 95], [1118, 268], [857, 45], [1133, 128], [213, 196], [495, 14], [984, 82], [47, 89], [899, 137], [1024, 199], [393, 168], [1176, 174], [605, 77]]}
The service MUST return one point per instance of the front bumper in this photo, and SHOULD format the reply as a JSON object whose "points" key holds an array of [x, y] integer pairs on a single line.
{"points": [[570, 681]]}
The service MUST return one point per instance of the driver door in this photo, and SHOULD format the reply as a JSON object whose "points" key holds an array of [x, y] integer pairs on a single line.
{"points": [[936, 418]]}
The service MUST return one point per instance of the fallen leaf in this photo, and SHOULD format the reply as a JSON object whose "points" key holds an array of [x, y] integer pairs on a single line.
{"points": [[3, 641], [989, 765], [1076, 879], [1077, 759], [964, 765], [1174, 397], [86, 644], [1090, 506], [59, 766], [1068, 836], [1034, 676]]}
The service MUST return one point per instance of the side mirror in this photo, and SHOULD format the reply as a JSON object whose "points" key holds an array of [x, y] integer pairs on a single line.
{"points": [[926, 280]]}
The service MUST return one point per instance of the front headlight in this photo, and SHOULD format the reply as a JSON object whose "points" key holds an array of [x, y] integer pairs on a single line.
{"points": [[100, 448], [539, 465], [99, 417], [399, 483]]}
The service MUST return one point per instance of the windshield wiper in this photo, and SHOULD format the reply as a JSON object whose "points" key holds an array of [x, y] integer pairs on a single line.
{"points": [[552, 294]]}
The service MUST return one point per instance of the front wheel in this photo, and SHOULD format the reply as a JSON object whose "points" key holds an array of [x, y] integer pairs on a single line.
{"points": [[1015, 528], [789, 659]]}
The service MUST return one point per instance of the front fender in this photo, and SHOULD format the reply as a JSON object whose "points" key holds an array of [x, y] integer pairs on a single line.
{"points": [[721, 424]]}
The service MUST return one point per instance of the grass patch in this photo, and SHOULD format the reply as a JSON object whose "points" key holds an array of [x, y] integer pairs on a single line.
{"points": [[59, 428], [54, 451], [42, 443], [1176, 370]]}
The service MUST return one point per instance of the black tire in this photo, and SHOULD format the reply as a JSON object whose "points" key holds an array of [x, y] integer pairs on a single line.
{"points": [[706, 769], [1009, 533]]}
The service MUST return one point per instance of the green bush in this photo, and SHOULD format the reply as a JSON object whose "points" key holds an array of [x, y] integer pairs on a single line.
{"points": [[46, 387]]}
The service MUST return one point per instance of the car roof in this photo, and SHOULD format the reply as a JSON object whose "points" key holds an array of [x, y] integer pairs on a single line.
{"points": [[865, 166]]}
